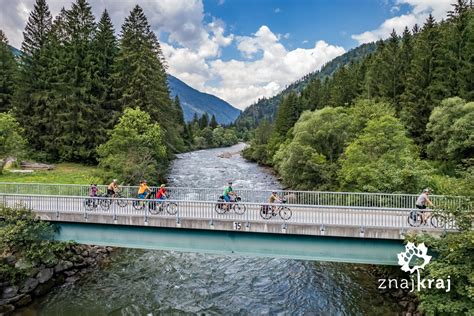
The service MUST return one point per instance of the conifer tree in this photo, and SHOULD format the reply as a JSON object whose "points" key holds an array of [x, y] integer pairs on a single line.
{"points": [[31, 96], [213, 123], [82, 130], [204, 121], [105, 50], [391, 84], [140, 77], [417, 102], [7, 73], [288, 114], [406, 55]]}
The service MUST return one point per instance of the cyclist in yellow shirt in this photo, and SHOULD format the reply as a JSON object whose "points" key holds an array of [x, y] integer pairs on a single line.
{"points": [[143, 190]]}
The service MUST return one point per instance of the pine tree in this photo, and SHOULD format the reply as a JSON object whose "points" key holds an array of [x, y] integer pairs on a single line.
{"points": [[288, 114], [391, 85], [31, 97], [460, 41], [406, 55], [417, 102], [104, 52], [204, 121], [213, 124], [140, 78], [7, 73], [82, 129]]}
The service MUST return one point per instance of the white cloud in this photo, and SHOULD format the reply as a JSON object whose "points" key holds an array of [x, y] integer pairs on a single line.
{"points": [[277, 10], [420, 9], [193, 47]]}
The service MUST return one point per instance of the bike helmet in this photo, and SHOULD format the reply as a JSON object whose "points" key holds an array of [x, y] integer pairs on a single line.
{"points": [[162, 186], [426, 190], [115, 180]]}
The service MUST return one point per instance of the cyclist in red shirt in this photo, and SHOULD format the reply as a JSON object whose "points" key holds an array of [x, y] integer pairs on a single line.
{"points": [[161, 194]]}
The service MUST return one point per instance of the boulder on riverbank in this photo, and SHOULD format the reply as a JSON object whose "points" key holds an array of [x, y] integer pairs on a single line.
{"points": [[78, 261]]}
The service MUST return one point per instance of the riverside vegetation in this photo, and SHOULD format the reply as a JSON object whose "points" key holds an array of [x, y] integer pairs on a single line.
{"points": [[31, 263], [398, 120], [75, 87]]}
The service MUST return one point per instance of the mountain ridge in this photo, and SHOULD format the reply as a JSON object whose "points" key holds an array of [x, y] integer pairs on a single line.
{"points": [[266, 108], [194, 101]]}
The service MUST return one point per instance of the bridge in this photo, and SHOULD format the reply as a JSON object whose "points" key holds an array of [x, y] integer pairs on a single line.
{"points": [[324, 226]]}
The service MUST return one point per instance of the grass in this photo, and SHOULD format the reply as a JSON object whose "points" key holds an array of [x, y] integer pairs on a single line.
{"points": [[64, 173]]}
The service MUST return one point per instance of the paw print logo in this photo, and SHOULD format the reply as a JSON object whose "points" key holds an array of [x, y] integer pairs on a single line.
{"points": [[415, 253]]}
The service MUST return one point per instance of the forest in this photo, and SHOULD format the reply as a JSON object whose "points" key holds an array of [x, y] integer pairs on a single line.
{"points": [[79, 93], [399, 120]]}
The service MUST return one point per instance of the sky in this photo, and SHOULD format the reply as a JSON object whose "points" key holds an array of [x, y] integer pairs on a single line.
{"points": [[242, 50]]}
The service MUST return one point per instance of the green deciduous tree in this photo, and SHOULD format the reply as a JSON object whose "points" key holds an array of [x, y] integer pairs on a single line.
{"points": [[135, 149], [12, 142], [451, 127], [383, 159]]}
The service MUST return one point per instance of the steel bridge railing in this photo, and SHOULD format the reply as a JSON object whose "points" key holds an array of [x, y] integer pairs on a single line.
{"points": [[205, 210], [386, 200]]}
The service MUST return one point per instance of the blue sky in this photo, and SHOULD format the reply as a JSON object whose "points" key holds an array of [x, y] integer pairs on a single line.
{"points": [[304, 20], [242, 50]]}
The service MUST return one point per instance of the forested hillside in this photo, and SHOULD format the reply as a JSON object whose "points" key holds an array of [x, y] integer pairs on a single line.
{"points": [[200, 103], [266, 108], [79, 93], [397, 120]]}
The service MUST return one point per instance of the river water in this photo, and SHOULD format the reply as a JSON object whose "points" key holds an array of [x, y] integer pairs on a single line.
{"points": [[138, 282]]}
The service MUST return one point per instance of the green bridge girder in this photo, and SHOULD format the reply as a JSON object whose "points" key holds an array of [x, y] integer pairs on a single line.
{"points": [[302, 247]]}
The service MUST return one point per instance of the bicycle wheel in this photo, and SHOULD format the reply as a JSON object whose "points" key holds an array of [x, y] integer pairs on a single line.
{"points": [[414, 218], [138, 205], [154, 208], [89, 204], [239, 208], [220, 208], [121, 203], [105, 204], [265, 212], [285, 213], [172, 208], [438, 220]]}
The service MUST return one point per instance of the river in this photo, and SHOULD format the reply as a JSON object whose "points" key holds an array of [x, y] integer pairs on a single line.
{"points": [[139, 282]]}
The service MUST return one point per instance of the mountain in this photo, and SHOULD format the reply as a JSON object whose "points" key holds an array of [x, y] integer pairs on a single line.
{"points": [[194, 101], [15, 51], [266, 108]]}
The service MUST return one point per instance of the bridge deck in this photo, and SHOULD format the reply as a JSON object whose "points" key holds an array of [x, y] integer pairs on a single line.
{"points": [[340, 221]]}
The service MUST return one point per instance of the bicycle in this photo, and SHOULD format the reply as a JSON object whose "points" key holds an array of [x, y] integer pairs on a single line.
{"points": [[93, 202], [117, 195], [141, 203], [158, 206], [269, 211], [436, 219], [222, 206]]}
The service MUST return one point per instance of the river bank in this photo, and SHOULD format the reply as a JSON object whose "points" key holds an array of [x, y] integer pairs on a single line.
{"points": [[75, 263]]}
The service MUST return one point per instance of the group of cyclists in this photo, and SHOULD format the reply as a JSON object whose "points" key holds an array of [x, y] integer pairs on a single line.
{"points": [[144, 191], [229, 195]]}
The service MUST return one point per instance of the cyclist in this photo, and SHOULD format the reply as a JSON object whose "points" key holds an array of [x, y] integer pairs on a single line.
{"points": [[274, 198], [93, 190], [143, 190], [229, 194], [112, 188], [161, 194], [421, 202]]}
